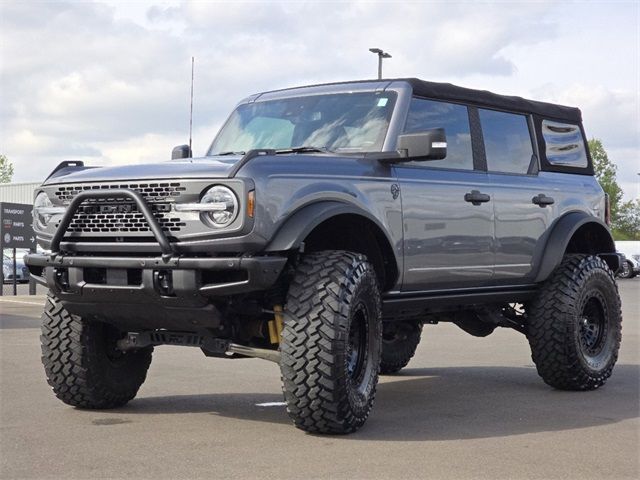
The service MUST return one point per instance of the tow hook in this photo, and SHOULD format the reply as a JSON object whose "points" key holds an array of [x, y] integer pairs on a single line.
{"points": [[163, 281]]}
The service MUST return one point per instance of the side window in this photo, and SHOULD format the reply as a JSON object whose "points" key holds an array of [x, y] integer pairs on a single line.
{"points": [[564, 144], [507, 141], [427, 114]]}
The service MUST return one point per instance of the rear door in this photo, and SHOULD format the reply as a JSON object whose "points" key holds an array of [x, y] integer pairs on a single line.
{"points": [[448, 237], [524, 203]]}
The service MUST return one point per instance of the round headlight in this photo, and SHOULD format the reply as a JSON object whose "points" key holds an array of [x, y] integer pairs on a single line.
{"points": [[41, 210], [224, 206]]}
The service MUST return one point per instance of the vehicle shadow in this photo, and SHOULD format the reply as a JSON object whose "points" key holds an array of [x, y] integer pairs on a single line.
{"points": [[451, 403]]}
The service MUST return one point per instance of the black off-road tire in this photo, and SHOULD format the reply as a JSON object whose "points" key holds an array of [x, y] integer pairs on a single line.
{"points": [[82, 364], [574, 325], [399, 343], [331, 342]]}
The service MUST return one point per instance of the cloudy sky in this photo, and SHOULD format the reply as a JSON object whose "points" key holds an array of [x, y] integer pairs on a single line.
{"points": [[108, 82]]}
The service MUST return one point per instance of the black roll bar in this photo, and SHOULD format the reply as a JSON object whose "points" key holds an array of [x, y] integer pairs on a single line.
{"points": [[143, 208]]}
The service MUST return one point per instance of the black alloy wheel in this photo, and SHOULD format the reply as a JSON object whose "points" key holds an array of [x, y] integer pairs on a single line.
{"points": [[358, 343], [593, 326]]}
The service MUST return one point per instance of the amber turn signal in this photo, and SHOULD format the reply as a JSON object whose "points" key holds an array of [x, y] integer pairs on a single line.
{"points": [[251, 203]]}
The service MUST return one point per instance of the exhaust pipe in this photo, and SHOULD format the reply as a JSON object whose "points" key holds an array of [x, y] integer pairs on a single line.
{"points": [[263, 353]]}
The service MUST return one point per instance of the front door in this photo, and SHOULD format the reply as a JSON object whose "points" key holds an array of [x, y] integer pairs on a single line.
{"points": [[447, 207]]}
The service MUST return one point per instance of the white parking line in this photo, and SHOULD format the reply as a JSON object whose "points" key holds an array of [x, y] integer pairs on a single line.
{"points": [[4, 300], [271, 404]]}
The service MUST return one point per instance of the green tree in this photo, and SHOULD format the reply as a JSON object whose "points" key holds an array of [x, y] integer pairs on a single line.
{"points": [[6, 169], [627, 226], [605, 172], [625, 216]]}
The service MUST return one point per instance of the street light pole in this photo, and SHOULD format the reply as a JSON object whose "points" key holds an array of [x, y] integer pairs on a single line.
{"points": [[381, 55]]}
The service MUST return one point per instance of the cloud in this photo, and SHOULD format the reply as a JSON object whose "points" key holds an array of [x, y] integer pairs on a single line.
{"points": [[628, 163], [109, 83], [613, 114]]}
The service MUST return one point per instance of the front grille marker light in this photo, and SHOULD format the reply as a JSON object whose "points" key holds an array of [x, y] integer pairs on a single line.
{"points": [[200, 207]]}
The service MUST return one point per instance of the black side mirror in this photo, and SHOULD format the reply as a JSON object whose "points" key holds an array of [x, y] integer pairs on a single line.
{"points": [[428, 145], [181, 151]]}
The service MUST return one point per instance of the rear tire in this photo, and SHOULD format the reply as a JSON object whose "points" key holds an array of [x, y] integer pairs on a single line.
{"points": [[574, 324], [331, 342], [399, 343], [82, 364]]}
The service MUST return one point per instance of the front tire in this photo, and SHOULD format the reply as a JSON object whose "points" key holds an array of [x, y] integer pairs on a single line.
{"points": [[82, 364], [330, 346], [575, 323]]}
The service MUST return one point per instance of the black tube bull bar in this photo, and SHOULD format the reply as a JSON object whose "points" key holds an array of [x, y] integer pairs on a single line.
{"points": [[143, 208]]}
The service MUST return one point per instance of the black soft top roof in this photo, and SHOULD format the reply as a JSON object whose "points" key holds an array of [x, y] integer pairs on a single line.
{"points": [[483, 98], [447, 91]]}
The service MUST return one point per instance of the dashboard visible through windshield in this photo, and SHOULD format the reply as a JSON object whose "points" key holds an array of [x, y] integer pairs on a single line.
{"points": [[342, 122]]}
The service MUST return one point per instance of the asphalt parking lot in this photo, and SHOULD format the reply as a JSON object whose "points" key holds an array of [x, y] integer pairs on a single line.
{"points": [[464, 408]]}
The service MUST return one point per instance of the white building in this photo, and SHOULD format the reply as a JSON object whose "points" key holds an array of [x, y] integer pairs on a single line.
{"points": [[18, 192]]}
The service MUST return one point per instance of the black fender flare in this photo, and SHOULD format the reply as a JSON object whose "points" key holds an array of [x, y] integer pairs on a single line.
{"points": [[559, 236], [298, 226]]}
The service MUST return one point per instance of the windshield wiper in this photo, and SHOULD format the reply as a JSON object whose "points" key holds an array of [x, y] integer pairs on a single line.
{"points": [[303, 150], [282, 151]]}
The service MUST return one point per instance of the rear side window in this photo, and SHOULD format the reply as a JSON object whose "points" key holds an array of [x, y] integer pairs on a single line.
{"points": [[564, 145], [427, 114], [507, 141]]}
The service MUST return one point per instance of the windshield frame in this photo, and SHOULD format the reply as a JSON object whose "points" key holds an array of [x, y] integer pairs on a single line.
{"points": [[396, 122]]}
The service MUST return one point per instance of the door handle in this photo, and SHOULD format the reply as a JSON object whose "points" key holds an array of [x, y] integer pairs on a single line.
{"points": [[476, 198], [542, 200]]}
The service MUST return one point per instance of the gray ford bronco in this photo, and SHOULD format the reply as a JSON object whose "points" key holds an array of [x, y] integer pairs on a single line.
{"points": [[323, 228]]}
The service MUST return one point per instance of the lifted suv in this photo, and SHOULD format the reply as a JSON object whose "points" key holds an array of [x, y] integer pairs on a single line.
{"points": [[323, 228]]}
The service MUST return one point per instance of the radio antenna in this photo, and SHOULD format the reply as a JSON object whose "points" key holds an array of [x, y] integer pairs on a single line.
{"points": [[191, 111]]}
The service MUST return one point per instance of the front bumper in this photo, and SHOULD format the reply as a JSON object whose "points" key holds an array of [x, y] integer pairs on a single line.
{"points": [[152, 292], [171, 291]]}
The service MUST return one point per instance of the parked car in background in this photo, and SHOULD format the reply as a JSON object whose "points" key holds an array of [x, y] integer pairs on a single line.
{"points": [[22, 275], [630, 267], [631, 250]]}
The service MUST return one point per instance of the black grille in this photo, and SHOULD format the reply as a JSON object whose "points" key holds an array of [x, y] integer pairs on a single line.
{"points": [[121, 217], [152, 192]]}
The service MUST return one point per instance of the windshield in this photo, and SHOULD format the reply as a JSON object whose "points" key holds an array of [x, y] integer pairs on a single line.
{"points": [[343, 122]]}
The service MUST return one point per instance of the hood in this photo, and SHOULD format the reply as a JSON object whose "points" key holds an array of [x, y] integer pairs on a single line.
{"points": [[205, 167]]}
